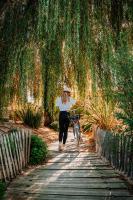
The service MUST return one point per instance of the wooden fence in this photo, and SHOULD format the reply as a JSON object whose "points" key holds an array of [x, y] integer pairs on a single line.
{"points": [[14, 152], [117, 149]]}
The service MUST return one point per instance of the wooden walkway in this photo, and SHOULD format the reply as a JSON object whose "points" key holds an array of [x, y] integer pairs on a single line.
{"points": [[70, 175]]}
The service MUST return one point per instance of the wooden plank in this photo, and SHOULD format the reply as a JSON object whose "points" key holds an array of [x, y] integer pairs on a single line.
{"points": [[14, 153], [26, 147], [21, 148], [23, 152], [29, 145], [23, 196], [71, 155], [76, 159], [74, 192], [130, 160], [74, 173], [18, 150], [77, 176], [79, 164], [66, 184], [76, 168], [5, 162], [27, 180], [10, 152], [2, 162], [67, 154], [8, 156], [68, 158], [1, 175], [73, 167]]}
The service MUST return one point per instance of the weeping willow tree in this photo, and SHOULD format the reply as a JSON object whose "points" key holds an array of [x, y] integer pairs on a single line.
{"points": [[16, 35], [71, 39]]}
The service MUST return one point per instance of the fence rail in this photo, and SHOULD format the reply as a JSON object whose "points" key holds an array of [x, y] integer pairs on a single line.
{"points": [[14, 152], [117, 149]]}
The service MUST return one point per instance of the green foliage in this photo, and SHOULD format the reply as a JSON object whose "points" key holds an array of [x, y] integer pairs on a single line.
{"points": [[86, 127], [100, 113], [18, 24], [2, 188], [123, 61], [55, 125], [77, 108], [30, 115], [39, 150], [73, 38], [126, 120]]}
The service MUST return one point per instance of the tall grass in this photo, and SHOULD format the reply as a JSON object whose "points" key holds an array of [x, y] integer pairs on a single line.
{"points": [[101, 113], [30, 115]]}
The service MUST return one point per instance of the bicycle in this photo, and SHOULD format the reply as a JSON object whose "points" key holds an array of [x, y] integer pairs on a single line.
{"points": [[74, 119]]}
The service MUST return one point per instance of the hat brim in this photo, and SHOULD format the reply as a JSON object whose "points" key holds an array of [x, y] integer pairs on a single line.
{"points": [[66, 91]]}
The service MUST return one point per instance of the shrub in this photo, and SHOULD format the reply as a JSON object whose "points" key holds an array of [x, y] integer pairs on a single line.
{"points": [[86, 127], [39, 150], [31, 116], [123, 62], [128, 122], [55, 125], [2, 188], [101, 113]]}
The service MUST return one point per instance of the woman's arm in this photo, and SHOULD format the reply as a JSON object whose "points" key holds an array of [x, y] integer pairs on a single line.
{"points": [[57, 102]]}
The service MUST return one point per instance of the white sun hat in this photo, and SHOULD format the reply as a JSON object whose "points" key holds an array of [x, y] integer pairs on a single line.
{"points": [[66, 89]]}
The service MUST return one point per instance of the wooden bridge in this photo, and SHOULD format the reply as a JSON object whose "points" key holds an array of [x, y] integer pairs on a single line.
{"points": [[70, 175]]}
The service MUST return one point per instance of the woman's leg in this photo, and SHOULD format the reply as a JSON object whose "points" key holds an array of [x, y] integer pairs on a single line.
{"points": [[61, 128], [66, 125]]}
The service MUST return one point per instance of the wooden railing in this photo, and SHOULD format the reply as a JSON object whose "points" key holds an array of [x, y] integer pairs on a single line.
{"points": [[117, 149], [14, 152]]}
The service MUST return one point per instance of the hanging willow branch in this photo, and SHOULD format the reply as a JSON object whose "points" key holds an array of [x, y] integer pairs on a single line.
{"points": [[73, 38]]}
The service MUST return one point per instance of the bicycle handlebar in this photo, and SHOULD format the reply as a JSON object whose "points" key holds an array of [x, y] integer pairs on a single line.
{"points": [[73, 110]]}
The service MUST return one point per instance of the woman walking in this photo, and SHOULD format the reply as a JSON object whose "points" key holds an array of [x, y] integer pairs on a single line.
{"points": [[64, 103]]}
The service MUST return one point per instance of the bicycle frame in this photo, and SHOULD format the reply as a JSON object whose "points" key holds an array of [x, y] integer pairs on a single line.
{"points": [[76, 127]]}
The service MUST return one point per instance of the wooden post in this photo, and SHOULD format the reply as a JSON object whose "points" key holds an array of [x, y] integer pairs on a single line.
{"points": [[3, 173], [11, 156]]}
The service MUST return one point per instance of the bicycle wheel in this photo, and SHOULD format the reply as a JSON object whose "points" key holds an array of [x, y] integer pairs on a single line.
{"points": [[77, 133]]}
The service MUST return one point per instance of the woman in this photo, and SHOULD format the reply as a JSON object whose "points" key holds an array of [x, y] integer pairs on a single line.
{"points": [[65, 102]]}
